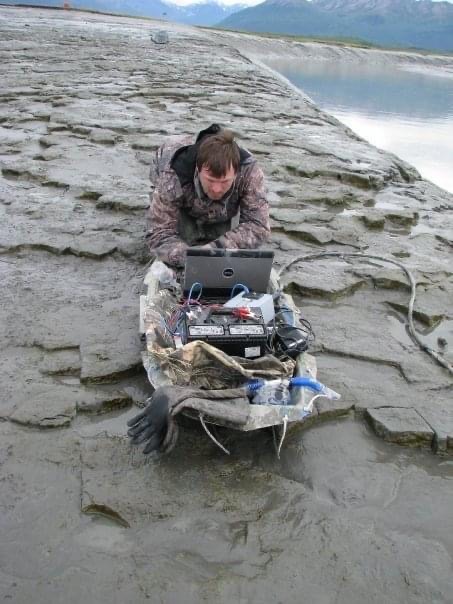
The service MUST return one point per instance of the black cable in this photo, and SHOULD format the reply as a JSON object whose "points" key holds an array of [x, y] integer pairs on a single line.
{"points": [[307, 257]]}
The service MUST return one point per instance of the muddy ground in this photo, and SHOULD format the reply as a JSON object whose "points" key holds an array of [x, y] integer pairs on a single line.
{"points": [[343, 516]]}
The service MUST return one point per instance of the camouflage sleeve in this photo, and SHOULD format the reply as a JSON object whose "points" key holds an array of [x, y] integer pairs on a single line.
{"points": [[162, 232], [253, 228]]}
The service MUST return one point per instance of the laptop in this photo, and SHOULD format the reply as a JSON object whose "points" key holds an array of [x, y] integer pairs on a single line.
{"points": [[219, 270]]}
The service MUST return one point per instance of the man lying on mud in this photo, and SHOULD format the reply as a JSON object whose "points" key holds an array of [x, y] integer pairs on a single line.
{"points": [[210, 193]]}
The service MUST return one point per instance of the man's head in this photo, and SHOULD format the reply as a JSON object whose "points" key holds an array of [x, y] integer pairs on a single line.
{"points": [[218, 160]]}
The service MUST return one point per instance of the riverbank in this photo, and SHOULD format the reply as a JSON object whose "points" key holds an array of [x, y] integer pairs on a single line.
{"points": [[85, 100], [318, 50]]}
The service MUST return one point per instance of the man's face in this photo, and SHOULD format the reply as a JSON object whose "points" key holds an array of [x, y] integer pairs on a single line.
{"points": [[215, 187]]}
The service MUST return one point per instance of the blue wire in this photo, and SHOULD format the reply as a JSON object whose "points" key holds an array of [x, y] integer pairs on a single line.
{"points": [[244, 287], [191, 289], [178, 322]]}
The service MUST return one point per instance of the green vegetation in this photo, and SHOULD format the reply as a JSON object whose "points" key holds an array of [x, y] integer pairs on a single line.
{"points": [[333, 41]]}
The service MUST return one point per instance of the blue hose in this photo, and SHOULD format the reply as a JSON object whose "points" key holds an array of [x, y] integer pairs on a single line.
{"points": [[306, 382]]}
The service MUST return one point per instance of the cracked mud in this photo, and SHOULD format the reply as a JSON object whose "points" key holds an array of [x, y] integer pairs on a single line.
{"points": [[343, 517]]}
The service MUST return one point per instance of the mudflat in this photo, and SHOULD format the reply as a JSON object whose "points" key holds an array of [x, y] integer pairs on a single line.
{"points": [[343, 516]]}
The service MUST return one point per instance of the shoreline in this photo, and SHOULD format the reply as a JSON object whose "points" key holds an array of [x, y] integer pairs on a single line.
{"points": [[256, 45]]}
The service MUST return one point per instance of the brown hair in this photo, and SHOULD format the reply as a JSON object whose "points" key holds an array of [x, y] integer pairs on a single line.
{"points": [[219, 152]]}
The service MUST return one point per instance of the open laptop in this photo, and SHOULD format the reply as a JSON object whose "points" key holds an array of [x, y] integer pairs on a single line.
{"points": [[219, 270]]}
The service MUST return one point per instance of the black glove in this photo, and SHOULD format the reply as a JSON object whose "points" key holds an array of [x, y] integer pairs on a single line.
{"points": [[151, 424]]}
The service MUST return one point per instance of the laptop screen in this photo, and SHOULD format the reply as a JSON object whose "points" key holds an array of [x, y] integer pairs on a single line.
{"points": [[219, 270]]}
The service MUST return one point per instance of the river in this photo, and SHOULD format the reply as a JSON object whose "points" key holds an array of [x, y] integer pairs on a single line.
{"points": [[407, 111]]}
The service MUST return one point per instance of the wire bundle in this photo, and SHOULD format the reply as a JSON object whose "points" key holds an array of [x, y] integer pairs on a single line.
{"points": [[288, 337]]}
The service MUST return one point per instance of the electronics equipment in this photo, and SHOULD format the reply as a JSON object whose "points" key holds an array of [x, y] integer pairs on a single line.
{"points": [[290, 340], [237, 331], [264, 302], [219, 270], [292, 335]]}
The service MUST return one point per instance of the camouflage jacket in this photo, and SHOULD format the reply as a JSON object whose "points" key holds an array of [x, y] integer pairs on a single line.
{"points": [[181, 215]]}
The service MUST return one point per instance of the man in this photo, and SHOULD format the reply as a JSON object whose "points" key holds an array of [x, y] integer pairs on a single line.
{"points": [[208, 193]]}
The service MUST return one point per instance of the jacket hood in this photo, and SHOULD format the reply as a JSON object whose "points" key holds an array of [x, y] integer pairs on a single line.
{"points": [[213, 129]]}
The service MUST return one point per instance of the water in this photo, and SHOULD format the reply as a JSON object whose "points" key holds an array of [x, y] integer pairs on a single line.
{"points": [[408, 112]]}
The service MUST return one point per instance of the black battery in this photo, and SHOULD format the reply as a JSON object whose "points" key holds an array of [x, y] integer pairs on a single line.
{"points": [[222, 328]]}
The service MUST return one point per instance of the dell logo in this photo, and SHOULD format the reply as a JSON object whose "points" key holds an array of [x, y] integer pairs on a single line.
{"points": [[228, 272]]}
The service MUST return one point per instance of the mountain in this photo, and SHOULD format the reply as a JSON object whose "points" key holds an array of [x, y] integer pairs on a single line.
{"points": [[203, 13], [401, 23], [199, 13]]}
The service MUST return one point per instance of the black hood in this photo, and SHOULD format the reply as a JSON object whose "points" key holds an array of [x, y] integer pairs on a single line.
{"points": [[213, 129]]}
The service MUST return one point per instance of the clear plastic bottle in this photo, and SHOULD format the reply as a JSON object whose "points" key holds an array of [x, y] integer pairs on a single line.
{"points": [[273, 392], [278, 392]]}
